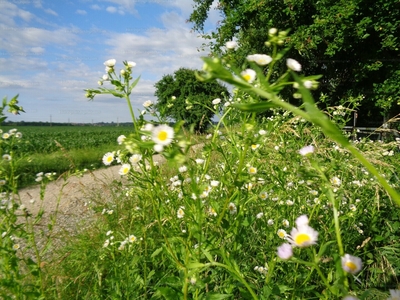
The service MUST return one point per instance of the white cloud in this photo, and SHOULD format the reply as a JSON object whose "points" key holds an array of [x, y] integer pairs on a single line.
{"points": [[9, 11], [125, 5], [158, 51], [95, 7], [81, 12], [111, 9], [51, 12]]}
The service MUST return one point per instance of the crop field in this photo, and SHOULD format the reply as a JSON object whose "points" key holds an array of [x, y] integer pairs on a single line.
{"points": [[45, 148]]}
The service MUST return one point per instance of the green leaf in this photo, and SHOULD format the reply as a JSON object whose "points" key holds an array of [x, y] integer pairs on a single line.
{"points": [[134, 84], [255, 107], [195, 265], [158, 251], [215, 296]]}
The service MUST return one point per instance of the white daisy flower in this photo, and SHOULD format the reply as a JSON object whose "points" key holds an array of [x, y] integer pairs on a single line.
{"points": [[282, 233], [148, 103], [351, 264], [252, 170], [232, 208], [132, 238], [121, 139], [336, 181], [231, 45], [135, 158], [260, 59], [249, 75], [183, 169], [131, 64], [108, 158], [180, 213], [163, 135], [306, 150], [293, 65], [303, 236], [285, 251], [110, 63], [125, 168], [216, 101]]}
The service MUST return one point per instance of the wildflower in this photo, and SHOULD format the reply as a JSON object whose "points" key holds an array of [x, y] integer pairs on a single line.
{"points": [[132, 238], [306, 150], [148, 103], [285, 223], [180, 213], [122, 245], [105, 77], [314, 193], [199, 161], [212, 212], [303, 235], [259, 215], [394, 295], [285, 251], [260, 59], [276, 148], [353, 207], [18, 135], [252, 170], [163, 135], [135, 158], [182, 169], [231, 45], [254, 147], [263, 195], [214, 183], [110, 211], [108, 158], [16, 246], [262, 132], [282, 233], [249, 75], [106, 243], [7, 157], [232, 208], [109, 232], [351, 264], [130, 64], [272, 31], [293, 65], [336, 181], [121, 139], [124, 169], [308, 84], [110, 63], [270, 222], [216, 101], [289, 202], [2, 182], [349, 297]]}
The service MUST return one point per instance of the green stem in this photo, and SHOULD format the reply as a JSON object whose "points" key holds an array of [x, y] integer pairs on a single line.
{"points": [[239, 277]]}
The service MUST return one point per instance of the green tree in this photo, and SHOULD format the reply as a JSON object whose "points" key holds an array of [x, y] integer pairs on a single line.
{"points": [[182, 97], [354, 44]]}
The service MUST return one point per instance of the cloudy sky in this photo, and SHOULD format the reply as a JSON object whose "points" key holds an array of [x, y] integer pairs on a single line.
{"points": [[50, 51]]}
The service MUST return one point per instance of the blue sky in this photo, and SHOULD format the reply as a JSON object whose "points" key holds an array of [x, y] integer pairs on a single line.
{"points": [[50, 51]]}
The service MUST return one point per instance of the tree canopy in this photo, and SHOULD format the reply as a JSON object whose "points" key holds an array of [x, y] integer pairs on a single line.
{"points": [[354, 44], [182, 97]]}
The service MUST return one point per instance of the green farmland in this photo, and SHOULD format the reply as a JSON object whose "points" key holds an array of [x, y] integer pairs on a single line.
{"points": [[61, 148]]}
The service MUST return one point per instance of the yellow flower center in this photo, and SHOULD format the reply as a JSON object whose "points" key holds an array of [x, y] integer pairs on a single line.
{"points": [[162, 136], [352, 266], [247, 77], [252, 170], [109, 159], [281, 234], [302, 238]]}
